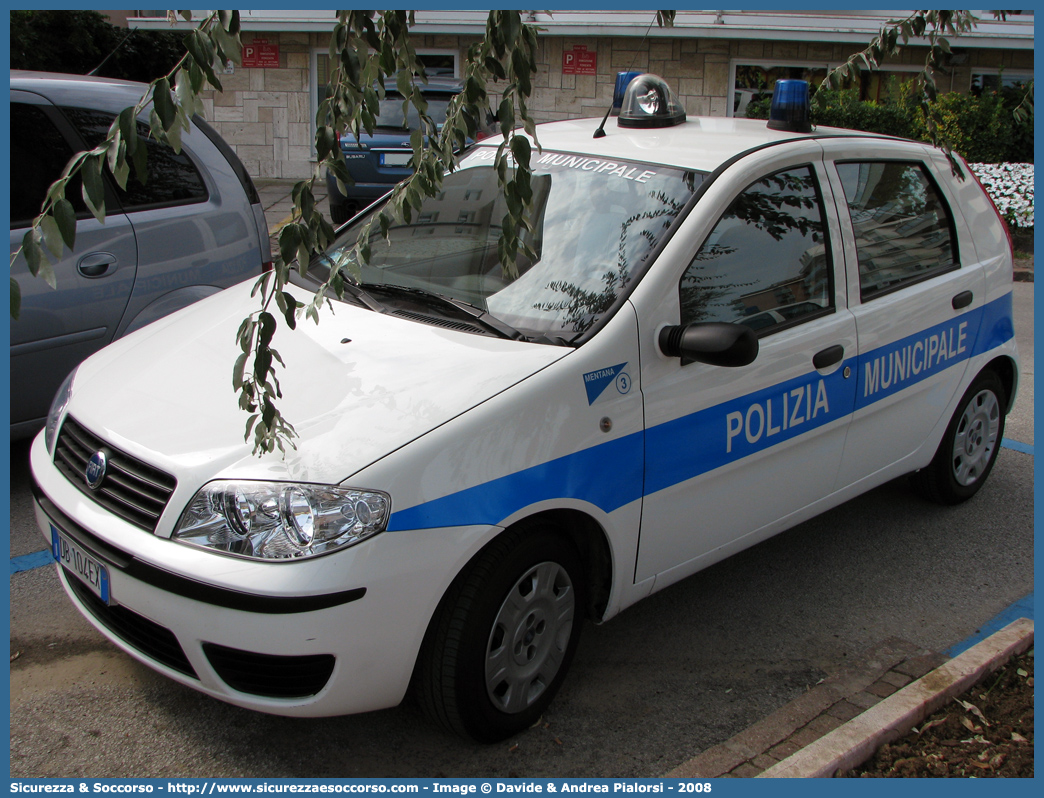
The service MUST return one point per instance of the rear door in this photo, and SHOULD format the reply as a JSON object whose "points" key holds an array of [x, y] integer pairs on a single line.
{"points": [[917, 295]]}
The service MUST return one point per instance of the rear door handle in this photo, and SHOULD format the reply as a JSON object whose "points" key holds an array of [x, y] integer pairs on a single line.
{"points": [[96, 264], [828, 357], [962, 300]]}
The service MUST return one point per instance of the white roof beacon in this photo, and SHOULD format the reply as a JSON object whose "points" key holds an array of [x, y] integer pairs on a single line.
{"points": [[649, 103]]}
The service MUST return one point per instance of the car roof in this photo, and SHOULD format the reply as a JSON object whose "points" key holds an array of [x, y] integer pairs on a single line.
{"points": [[70, 89], [699, 143]]}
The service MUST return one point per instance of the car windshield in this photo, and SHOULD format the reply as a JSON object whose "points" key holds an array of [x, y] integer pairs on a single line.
{"points": [[595, 224]]}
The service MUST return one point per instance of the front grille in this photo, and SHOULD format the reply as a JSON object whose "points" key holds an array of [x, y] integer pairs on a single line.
{"points": [[154, 641], [269, 675], [133, 490]]}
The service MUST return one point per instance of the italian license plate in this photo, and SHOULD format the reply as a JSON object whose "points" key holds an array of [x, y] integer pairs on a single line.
{"points": [[395, 158], [80, 564]]}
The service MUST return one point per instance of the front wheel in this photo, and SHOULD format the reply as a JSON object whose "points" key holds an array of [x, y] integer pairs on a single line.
{"points": [[969, 448], [501, 643]]}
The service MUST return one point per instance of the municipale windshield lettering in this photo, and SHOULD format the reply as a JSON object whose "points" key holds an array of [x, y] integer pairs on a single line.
{"points": [[595, 222]]}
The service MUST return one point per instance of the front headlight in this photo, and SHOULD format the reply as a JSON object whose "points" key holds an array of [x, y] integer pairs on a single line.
{"points": [[61, 401], [281, 520]]}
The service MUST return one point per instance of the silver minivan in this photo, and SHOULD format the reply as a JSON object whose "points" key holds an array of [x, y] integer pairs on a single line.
{"points": [[194, 228]]}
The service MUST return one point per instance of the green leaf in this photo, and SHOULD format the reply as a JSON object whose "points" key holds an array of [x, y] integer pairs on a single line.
{"points": [[163, 103], [32, 252], [238, 371], [267, 323], [289, 241], [521, 150], [290, 314], [129, 129], [65, 217], [93, 187], [52, 236]]}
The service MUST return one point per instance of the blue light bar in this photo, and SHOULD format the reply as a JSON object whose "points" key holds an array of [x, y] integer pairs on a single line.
{"points": [[789, 110], [623, 79]]}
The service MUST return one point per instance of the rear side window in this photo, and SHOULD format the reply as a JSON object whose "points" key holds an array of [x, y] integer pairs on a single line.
{"points": [[172, 177], [766, 263], [903, 228]]}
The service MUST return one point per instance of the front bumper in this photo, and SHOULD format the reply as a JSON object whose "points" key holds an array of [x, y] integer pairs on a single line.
{"points": [[330, 635]]}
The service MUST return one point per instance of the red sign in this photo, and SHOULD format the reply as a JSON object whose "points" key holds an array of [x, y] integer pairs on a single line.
{"points": [[260, 53], [579, 61]]}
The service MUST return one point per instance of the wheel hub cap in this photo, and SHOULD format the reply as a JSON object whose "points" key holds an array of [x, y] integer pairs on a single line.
{"points": [[976, 438], [529, 637]]}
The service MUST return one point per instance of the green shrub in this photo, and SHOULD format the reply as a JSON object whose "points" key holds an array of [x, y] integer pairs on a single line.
{"points": [[982, 129]]}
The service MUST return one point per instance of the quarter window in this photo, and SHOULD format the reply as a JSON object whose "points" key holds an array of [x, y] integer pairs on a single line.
{"points": [[172, 177], [766, 263], [903, 232]]}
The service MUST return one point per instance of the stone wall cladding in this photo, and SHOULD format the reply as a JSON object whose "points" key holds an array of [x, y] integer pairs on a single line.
{"points": [[265, 114]]}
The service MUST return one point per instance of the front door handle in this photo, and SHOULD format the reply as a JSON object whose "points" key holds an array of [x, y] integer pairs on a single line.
{"points": [[96, 264], [828, 357], [962, 300]]}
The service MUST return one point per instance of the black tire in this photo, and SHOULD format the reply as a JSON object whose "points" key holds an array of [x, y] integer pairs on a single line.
{"points": [[339, 214], [969, 448], [508, 608]]}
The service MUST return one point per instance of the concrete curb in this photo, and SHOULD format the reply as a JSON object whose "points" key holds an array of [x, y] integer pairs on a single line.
{"points": [[853, 743]]}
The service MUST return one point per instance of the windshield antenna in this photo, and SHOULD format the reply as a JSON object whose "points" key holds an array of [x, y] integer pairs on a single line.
{"points": [[600, 133]]}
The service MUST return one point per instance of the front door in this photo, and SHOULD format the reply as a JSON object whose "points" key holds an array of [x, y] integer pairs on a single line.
{"points": [[731, 452]]}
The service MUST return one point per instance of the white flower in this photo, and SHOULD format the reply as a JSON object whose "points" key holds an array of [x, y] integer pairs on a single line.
{"points": [[1010, 186]]}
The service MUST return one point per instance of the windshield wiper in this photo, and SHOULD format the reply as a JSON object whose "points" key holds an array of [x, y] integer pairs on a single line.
{"points": [[434, 299]]}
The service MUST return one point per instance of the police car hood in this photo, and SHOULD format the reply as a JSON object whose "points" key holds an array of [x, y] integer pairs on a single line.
{"points": [[356, 387]]}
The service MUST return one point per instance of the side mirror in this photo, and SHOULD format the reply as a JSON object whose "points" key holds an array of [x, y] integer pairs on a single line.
{"points": [[714, 342]]}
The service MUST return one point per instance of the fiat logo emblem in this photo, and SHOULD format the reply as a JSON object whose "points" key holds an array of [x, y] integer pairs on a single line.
{"points": [[95, 471]]}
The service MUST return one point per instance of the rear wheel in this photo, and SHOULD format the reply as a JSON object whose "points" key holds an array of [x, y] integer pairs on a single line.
{"points": [[969, 448], [504, 636]]}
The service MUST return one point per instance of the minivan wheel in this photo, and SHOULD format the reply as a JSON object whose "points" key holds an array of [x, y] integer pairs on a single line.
{"points": [[338, 214], [502, 641], [969, 448]]}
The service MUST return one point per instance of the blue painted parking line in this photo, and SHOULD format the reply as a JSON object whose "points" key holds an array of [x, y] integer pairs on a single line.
{"points": [[1023, 608], [1025, 448], [28, 562]]}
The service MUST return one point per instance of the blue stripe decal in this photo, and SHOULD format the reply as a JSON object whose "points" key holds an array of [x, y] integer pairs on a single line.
{"points": [[610, 475], [1025, 448], [28, 562], [708, 439]]}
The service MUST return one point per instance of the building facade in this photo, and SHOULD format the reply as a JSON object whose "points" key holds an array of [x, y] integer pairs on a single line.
{"points": [[716, 61]]}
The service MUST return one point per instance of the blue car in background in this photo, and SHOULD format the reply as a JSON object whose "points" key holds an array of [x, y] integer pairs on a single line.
{"points": [[377, 162], [195, 227]]}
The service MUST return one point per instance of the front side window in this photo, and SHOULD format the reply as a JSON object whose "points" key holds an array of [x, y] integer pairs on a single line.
{"points": [[39, 153], [903, 232], [766, 263], [595, 225]]}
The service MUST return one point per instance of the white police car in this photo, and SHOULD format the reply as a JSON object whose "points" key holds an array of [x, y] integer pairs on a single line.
{"points": [[487, 460]]}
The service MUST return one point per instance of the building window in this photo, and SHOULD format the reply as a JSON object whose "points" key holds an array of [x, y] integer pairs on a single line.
{"points": [[987, 80]]}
